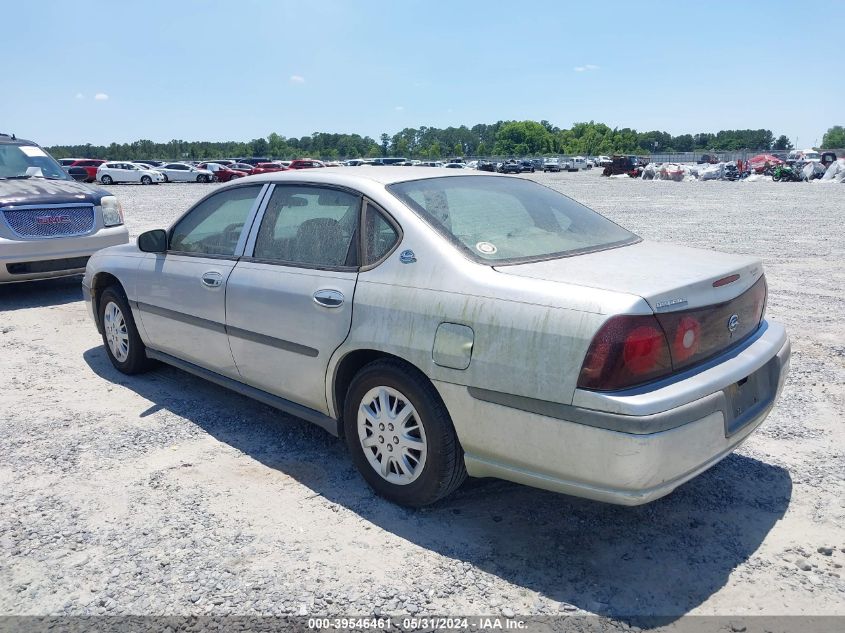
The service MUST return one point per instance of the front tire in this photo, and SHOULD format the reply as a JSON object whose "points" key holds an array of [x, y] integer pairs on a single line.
{"points": [[146, 180], [400, 435], [123, 345], [166, 179], [106, 179]]}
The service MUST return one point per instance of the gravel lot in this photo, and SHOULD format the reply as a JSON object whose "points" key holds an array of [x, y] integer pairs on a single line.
{"points": [[165, 494]]}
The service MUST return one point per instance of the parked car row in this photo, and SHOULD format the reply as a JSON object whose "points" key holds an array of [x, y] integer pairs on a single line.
{"points": [[149, 172], [226, 169]]}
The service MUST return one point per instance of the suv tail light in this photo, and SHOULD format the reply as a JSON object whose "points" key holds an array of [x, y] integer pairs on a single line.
{"points": [[626, 351]]}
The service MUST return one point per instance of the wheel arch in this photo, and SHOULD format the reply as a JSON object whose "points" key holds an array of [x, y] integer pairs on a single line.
{"points": [[99, 283], [345, 369]]}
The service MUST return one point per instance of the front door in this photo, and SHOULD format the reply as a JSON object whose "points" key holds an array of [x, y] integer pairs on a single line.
{"points": [[181, 294], [289, 300]]}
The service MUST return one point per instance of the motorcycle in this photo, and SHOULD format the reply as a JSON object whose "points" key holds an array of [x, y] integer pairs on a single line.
{"points": [[785, 173]]}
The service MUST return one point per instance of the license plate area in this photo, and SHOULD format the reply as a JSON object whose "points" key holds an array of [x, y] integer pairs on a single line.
{"points": [[750, 397]]}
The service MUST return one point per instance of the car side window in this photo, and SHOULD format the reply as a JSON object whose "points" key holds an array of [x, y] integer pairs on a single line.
{"points": [[214, 226], [380, 235], [312, 226]]}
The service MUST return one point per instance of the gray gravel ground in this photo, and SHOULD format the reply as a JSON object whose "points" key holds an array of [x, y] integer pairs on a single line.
{"points": [[165, 494]]}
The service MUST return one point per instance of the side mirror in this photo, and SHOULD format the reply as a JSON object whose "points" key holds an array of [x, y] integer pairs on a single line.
{"points": [[154, 241], [78, 173]]}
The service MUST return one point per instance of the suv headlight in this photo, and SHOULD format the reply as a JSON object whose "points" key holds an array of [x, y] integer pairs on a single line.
{"points": [[112, 211]]}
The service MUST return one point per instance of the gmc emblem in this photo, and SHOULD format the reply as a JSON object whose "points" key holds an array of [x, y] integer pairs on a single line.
{"points": [[53, 219]]}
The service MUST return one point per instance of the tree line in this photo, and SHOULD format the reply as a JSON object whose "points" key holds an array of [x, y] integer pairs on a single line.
{"points": [[504, 138]]}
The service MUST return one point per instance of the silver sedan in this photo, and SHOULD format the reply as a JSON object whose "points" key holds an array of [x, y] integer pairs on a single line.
{"points": [[445, 323]]}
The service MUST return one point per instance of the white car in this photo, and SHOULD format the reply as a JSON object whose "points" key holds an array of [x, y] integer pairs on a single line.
{"points": [[603, 161], [446, 322], [180, 172], [551, 164], [576, 163], [804, 155], [114, 172]]}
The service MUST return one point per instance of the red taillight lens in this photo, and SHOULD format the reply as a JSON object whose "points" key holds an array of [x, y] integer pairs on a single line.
{"points": [[627, 351], [642, 349], [687, 338], [699, 334], [632, 350]]}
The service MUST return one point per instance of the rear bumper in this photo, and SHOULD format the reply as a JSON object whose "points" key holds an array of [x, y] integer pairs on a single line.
{"points": [[46, 254], [638, 459]]}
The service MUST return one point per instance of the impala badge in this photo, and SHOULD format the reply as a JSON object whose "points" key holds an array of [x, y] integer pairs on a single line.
{"points": [[407, 257], [733, 323]]}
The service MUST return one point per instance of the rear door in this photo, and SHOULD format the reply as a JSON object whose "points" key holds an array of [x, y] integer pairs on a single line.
{"points": [[130, 172], [181, 294], [289, 299]]}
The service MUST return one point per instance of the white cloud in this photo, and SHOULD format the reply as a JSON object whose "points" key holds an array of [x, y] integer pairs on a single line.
{"points": [[585, 68], [399, 108], [79, 95], [591, 67], [101, 96], [297, 79]]}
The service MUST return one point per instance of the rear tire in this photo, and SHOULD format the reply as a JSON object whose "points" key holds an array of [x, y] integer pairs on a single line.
{"points": [[123, 344], [106, 179], [413, 459]]}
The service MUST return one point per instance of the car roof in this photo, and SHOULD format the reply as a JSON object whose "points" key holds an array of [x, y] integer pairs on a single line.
{"points": [[7, 139], [348, 177]]}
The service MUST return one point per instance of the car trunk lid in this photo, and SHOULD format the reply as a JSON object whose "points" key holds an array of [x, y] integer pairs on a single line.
{"points": [[670, 278]]}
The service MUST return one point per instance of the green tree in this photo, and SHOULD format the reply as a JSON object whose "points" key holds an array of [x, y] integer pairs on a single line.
{"points": [[385, 143], [259, 147], [481, 149], [458, 150], [782, 143], [834, 138], [521, 137]]}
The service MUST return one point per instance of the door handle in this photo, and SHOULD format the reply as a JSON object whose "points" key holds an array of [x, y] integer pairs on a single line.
{"points": [[212, 279], [329, 298]]}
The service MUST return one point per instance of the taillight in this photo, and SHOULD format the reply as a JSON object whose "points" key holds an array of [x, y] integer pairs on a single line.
{"points": [[632, 350], [687, 338], [627, 351]]}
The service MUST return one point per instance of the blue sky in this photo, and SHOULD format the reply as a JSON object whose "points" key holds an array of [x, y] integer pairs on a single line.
{"points": [[119, 71]]}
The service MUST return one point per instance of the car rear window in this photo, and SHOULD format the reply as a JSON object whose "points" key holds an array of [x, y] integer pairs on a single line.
{"points": [[499, 220]]}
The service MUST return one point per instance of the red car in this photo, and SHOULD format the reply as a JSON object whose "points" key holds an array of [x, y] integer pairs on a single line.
{"points": [[266, 168], [305, 163], [90, 165], [244, 167], [222, 172]]}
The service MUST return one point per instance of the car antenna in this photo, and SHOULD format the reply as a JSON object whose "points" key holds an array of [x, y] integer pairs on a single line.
{"points": [[13, 137]]}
